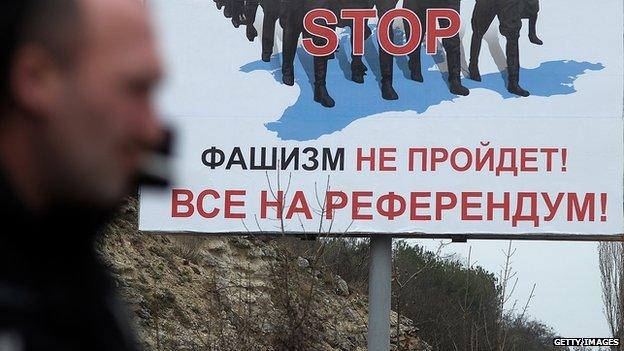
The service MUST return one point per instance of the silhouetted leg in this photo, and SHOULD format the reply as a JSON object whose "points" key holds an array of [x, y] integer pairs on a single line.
{"points": [[320, 86], [513, 68], [414, 63], [509, 17], [291, 39], [482, 17], [453, 60], [386, 61], [268, 35], [238, 13], [533, 31], [251, 9], [358, 68]]}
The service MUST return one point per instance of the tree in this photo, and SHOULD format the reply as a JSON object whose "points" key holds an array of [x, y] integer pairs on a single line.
{"points": [[611, 257]]}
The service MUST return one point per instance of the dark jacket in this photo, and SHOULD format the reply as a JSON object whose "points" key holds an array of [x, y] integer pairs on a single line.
{"points": [[54, 292]]}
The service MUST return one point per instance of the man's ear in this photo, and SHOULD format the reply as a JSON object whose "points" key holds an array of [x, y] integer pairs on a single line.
{"points": [[35, 79]]}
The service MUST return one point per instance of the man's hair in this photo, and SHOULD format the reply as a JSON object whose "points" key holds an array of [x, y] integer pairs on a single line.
{"points": [[50, 23]]}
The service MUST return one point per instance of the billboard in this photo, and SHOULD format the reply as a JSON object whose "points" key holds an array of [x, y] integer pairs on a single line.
{"points": [[505, 118]]}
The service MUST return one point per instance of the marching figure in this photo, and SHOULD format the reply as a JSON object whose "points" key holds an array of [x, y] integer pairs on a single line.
{"points": [[451, 45], [293, 12], [358, 69], [272, 10], [386, 60], [509, 15]]}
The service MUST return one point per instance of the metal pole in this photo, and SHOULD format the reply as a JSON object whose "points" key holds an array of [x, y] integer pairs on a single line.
{"points": [[379, 289]]}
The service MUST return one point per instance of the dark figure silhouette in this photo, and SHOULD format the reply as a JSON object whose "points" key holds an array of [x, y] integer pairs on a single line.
{"points": [[386, 61], [293, 12], [272, 10], [358, 68], [529, 10], [509, 15], [242, 12], [249, 11], [451, 45]]}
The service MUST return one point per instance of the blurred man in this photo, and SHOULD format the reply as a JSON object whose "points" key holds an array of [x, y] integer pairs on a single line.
{"points": [[76, 79]]}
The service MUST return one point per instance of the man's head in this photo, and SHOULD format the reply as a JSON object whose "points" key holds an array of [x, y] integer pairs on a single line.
{"points": [[77, 81]]}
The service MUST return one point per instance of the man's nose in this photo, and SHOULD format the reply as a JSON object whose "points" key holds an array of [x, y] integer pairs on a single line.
{"points": [[150, 130]]}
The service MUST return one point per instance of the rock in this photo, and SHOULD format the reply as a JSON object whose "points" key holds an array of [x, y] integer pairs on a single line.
{"points": [[342, 288], [209, 261], [303, 263], [240, 242], [217, 245], [348, 311], [256, 252]]}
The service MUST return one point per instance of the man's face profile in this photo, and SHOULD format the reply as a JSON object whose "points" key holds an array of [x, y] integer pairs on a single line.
{"points": [[93, 112]]}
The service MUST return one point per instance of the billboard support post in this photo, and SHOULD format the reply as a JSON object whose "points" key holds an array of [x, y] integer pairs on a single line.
{"points": [[379, 293]]}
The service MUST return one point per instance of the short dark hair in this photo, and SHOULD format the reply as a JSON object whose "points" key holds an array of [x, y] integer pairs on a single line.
{"points": [[51, 23]]}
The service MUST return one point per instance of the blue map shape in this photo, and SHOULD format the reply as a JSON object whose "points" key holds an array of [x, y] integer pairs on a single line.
{"points": [[308, 120]]}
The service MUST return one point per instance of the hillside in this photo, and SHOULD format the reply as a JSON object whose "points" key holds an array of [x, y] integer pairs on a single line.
{"points": [[234, 293]]}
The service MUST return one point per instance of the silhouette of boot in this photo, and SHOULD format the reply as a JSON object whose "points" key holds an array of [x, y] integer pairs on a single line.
{"points": [[288, 75], [252, 33], [358, 69], [454, 71], [320, 90], [415, 67], [251, 8], [533, 38], [387, 90], [475, 49], [513, 69]]}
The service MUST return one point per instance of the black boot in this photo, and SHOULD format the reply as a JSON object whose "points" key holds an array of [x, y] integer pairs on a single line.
{"points": [[268, 35], [289, 52], [320, 90], [251, 8], [387, 90], [454, 71], [252, 33], [288, 75], [414, 63], [533, 38], [475, 50], [513, 69], [415, 66], [386, 63], [266, 55], [358, 69]]}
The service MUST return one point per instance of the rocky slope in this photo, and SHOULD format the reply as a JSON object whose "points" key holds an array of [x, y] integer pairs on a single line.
{"points": [[234, 293]]}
